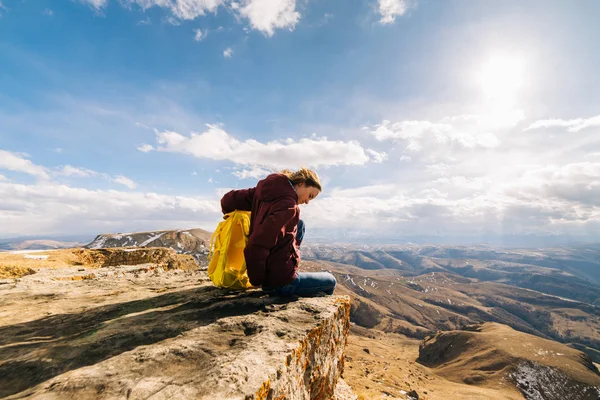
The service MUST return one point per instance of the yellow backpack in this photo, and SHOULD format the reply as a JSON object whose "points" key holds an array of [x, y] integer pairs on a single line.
{"points": [[227, 266]]}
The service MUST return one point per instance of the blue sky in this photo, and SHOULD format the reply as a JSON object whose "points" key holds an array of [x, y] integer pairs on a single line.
{"points": [[455, 120]]}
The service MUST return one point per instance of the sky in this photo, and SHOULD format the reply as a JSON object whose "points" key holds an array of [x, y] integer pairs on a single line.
{"points": [[427, 121]]}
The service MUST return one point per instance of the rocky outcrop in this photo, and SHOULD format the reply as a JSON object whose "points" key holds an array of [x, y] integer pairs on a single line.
{"points": [[200, 342], [195, 242], [14, 271], [161, 257], [20, 263]]}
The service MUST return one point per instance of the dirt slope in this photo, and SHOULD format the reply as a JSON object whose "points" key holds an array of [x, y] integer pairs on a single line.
{"points": [[490, 354]]}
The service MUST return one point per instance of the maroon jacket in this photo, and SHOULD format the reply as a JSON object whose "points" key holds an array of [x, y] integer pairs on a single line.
{"points": [[272, 255]]}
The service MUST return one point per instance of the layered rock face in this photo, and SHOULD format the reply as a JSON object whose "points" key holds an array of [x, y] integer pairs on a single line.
{"points": [[195, 242], [91, 340], [161, 257]]}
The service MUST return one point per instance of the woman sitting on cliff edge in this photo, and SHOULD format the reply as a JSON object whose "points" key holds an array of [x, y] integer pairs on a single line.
{"points": [[276, 231]]}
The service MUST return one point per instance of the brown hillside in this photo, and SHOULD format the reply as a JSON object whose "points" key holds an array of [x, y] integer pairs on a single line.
{"points": [[441, 301], [490, 353], [382, 366]]}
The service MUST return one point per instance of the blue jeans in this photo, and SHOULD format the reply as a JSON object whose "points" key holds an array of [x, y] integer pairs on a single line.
{"points": [[300, 229], [305, 284]]}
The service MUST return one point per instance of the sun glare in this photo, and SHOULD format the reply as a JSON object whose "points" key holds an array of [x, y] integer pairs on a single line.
{"points": [[501, 77]]}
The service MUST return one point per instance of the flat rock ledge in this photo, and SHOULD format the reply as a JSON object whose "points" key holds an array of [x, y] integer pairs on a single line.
{"points": [[201, 343]]}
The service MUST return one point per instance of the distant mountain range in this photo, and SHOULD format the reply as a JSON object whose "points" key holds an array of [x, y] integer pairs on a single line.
{"points": [[417, 290], [358, 236], [567, 271], [38, 244]]}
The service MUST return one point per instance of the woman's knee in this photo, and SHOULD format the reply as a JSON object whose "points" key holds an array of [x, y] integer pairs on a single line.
{"points": [[332, 283], [301, 228], [332, 280]]}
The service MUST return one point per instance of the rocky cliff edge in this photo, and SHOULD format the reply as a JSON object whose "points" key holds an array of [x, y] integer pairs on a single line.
{"points": [[150, 335]]}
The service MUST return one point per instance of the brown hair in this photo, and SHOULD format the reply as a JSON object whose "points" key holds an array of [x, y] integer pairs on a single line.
{"points": [[304, 175]]}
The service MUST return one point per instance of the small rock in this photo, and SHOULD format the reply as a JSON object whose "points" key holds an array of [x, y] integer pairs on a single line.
{"points": [[367, 351], [413, 395]]}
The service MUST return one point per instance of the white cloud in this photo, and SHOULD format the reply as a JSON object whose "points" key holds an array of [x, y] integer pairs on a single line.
{"points": [[263, 15], [408, 130], [216, 144], [170, 19], [464, 182], [210, 180], [390, 9], [181, 9], [227, 52], [125, 181], [97, 4], [145, 148], [254, 172], [393, 210], [48, 12], [380, 191], [376, 156], [472, 175], [199, 35], [577, 182], [438, 169], [191, 9], [2, 177], [268, 15], [419, 135], [573, 125], [68, 170], [486, 140], [51, 208], [146, 21], [450, 137], [15, 162]]}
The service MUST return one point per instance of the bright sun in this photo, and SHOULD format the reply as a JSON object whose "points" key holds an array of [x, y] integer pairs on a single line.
{"points": [[501, 77]]}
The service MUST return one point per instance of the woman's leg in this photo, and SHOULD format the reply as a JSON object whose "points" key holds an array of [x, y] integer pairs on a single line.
{"points": [[308, 284], [312, 283], [300, 229]]}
